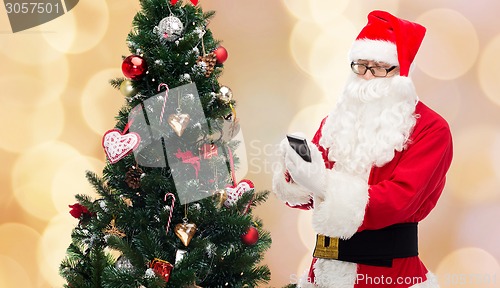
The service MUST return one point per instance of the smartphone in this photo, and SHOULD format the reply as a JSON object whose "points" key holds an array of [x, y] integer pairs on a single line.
{"points": [[299, 144]]}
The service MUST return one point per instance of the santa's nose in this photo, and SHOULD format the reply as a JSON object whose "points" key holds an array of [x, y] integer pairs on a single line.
{"points": [[367, 76]]}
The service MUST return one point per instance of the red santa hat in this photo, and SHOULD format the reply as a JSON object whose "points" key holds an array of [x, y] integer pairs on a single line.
{"points": [[389, 39]]}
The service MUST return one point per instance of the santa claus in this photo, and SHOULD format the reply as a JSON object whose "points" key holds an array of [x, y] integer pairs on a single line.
{"points": [[378, 167]]}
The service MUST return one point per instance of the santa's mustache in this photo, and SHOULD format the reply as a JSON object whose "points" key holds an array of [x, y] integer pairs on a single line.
{"points": [[368, 90]]}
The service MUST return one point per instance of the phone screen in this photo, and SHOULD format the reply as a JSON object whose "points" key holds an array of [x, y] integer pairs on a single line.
{"points": [[299, 144]]}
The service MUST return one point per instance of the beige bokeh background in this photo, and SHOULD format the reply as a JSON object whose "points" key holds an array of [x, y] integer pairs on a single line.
{"points": [[287, 65]]}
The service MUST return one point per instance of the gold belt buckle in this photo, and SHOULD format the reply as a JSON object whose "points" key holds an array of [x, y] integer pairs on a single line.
{"points": [[326, 247]]}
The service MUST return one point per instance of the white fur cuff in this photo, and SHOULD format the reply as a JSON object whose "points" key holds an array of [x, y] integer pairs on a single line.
{"points": [[291, 193], [343, 209]]}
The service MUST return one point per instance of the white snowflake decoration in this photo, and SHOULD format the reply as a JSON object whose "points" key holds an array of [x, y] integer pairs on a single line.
{"points": [[200, 32], [186, 77], [149, 273]]}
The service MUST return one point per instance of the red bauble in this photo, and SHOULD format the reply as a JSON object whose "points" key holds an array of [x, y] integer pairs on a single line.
{"points": [[251, 236], [134, 66], [221, 54]]}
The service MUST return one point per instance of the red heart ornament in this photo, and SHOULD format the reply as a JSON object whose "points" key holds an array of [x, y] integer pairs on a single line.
{"points": [[118, 145], [234, 193]]}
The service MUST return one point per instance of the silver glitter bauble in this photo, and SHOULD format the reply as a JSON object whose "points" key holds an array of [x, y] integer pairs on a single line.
{"points": [[170, 28], [225, 94], [123, 263]]}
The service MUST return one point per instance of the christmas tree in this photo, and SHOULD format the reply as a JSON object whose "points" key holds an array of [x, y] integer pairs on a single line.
{"points": [[169, 211]]}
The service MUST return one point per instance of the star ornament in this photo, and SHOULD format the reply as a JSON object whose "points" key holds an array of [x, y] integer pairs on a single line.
{"points": [[111, 229]]}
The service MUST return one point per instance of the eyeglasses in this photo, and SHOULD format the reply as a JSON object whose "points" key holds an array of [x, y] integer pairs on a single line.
{"points": [[377, 71]]}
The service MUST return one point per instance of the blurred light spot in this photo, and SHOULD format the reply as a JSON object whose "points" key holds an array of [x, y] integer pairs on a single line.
{"points": [[47, 122], [33, 174], [358, 10], [53, 77], [309, 119], [6, 28], [29, 47], [324, 10], [328, 59], [469, 267], [12, 274], [33, 112], [329, 52], [30, 125], [313, 92], [301, 39], [72, 174], [124, 7], [431, 248], [52, 247], [445, 55], [470, 232], [444, 97], [300, 9], [472, 176], [18, 243], [488, 72], [100, 102], [495, 155], [73, 33]]}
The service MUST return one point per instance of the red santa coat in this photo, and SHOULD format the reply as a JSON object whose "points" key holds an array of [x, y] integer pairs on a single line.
{"points": [[404, 190]]}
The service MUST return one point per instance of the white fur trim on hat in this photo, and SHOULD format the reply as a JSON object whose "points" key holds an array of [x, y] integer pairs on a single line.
{"points": [[376, 50], [343, 209]]}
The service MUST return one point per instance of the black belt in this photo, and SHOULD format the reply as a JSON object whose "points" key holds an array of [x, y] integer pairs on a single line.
{"points": [[371, 247]]}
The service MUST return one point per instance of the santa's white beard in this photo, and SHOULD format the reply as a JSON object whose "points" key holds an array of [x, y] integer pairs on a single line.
{"points": [[372, 120]]}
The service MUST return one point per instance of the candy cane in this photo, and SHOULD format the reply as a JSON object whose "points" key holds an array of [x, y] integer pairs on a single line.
{"points": [[171, 210], [164, 101]]}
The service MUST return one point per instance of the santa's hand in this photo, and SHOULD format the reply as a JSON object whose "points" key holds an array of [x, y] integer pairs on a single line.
{"points": [[310, 175]]}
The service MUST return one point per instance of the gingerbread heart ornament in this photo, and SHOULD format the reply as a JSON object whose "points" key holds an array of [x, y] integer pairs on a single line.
{"points": [[118, 145], [185, 232], [179, 122], [234, 193]]}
